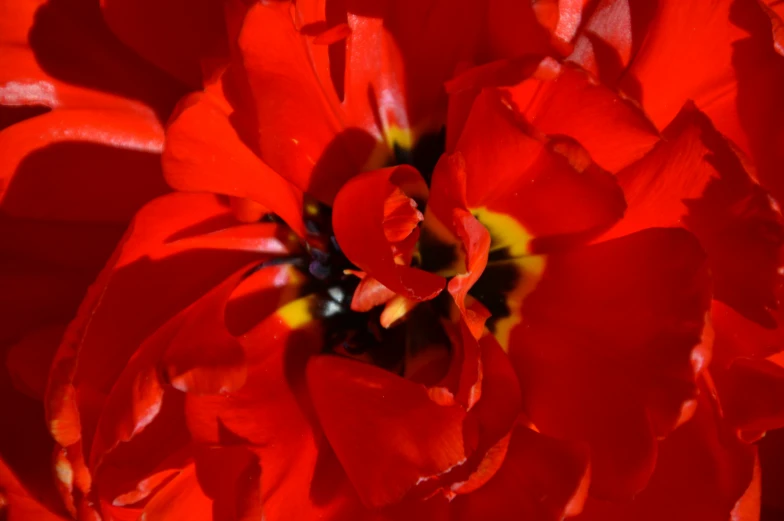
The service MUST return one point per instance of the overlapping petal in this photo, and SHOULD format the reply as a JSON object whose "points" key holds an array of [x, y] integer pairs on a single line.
{"points": [[359, 223], [702, 472], [694, 179], [608, 349]]}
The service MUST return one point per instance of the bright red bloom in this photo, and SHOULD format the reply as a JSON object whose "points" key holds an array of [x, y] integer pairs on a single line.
{"points": [[426, 260]]}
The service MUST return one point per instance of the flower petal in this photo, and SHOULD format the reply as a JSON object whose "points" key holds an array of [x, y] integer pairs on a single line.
{"points": [[16, 503], [409, 439], [204, 153], [771, 453], [272, 413], [541, 478], [173, 35], [701, 473], [181, 498], [50, 52], [81, 165], [300, 132], [613, 130], [604, 351], [694, 179], [507, 171], [358, 220], [180, 233]]}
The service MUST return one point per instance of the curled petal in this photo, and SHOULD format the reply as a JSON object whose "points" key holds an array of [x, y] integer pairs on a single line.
{"points": [[358, 220]]}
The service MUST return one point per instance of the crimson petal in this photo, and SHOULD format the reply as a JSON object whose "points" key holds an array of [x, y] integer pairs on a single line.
{"points": [[201, 140], [358, 220], [694, 179], [702, 472], [386, 431], [541, 478], [607, 348]]}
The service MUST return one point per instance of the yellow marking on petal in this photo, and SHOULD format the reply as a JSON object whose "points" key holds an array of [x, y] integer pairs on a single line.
{"points": [[396, 309], [400, 137], [507, 233], [301, 312], [531, 269], [297, 313]]}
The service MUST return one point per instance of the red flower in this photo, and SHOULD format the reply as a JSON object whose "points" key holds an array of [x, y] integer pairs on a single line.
{"points": [[473, 260]]}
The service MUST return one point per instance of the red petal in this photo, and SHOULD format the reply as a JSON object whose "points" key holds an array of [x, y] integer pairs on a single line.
{"points": [[402, 52], [748, 506], [358, 221], [771, 453], [513, 30], [203, 357], [28, 361], [509, 172], [16, 503], [694, 179], [612, 130], [300, 134], [386, 432], [752, 394], [476, 243], [174, 35], [701, 473], [230, 476], [604, 352], [81, 165], [180, 234], [301, 478], [181, 498], [699, 57], [369, 294], [737, 79], [489, 424], [201, 140], [25, 447], [541, 478], [50, 53], [775, 10]]}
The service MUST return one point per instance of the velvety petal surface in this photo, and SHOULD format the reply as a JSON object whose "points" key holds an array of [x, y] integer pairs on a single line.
{"points": [[694, 179], [174, 35], [507, 171], [562, 100], [204, 153], [701, 473], [609, 347]]}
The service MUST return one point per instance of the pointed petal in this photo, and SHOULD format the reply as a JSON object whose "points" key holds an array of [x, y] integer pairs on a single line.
{"points": [[300, 132], [204, 153]]}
